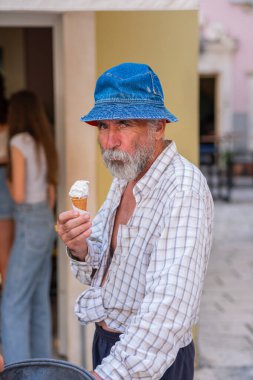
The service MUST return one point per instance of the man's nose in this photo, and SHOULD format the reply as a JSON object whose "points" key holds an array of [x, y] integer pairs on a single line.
{"points": [[113, 138]]}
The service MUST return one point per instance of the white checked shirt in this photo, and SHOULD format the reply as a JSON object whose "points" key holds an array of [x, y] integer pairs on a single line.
{"points": [[154, 283]]}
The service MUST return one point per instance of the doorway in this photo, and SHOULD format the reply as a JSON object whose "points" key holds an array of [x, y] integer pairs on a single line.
{"points": [[207, 109], [207, 132], [27, 63], [207, 117], [215, 165]]}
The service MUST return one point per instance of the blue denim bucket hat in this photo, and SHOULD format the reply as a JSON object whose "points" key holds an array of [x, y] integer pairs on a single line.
{"points": [[128, 91]]}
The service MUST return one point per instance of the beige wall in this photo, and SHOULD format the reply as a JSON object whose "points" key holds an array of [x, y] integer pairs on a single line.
{"points": [[168, 42]]}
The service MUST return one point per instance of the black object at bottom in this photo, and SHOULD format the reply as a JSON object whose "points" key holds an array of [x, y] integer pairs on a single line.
{"points": [[44, 369], [181, 369]]}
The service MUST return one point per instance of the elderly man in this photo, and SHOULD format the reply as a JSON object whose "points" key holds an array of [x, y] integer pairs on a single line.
{"points": [[145, 254]]}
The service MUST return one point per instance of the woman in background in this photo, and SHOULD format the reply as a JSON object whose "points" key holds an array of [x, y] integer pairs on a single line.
{"points": [[26, 314], [6, 203]]}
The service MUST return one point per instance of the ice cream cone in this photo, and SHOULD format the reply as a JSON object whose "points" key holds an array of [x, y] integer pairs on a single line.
{"points": [[79, 195], [79, 203]]}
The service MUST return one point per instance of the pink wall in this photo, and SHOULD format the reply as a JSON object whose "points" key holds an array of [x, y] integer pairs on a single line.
{"points": [[238, 22]]}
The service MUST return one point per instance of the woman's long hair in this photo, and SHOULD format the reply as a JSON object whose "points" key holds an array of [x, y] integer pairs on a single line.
{"points": [[27, 114]]}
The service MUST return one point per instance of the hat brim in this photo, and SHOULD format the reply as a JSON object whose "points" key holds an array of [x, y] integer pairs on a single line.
{"points": [[126, 112]]}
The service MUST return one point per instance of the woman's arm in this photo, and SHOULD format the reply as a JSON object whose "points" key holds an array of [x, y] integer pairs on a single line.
{"points": [[17, 186]]}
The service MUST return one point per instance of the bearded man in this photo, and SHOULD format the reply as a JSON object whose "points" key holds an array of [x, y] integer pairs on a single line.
{"points": [[145, 254]]}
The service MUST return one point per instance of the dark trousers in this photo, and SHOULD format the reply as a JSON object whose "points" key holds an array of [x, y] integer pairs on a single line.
{"points": [[181, 369]]}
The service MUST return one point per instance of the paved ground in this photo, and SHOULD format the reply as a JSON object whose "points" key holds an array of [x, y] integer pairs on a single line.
{"points": [[226, 315]]}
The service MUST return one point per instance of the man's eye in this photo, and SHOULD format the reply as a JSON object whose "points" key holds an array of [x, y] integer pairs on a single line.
{"points": [[123, 123], [102, 126]]}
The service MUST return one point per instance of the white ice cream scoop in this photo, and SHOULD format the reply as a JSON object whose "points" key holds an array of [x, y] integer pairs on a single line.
{"points": [[79, 189]]}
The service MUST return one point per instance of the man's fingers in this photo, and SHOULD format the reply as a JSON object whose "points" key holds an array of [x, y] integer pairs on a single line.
{"points": [[71, 219], [73, 232], [74, 228], [66, 216]]}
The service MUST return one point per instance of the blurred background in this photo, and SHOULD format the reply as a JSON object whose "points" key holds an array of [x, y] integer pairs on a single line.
{"points": [[225, 66], [202, 52]]}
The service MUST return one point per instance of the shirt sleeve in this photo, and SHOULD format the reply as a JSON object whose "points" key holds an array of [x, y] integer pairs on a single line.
{"points": [[174, 283], [18, 141]]}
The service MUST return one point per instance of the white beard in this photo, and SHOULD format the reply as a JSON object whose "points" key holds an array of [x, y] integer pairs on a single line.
{"points": [[125, 166]]}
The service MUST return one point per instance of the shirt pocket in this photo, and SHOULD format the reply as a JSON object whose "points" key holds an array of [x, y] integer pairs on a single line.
{"points": [[125, 242], [127, 274], [134, 247]]}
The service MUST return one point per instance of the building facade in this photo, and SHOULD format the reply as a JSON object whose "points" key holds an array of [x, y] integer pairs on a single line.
{"points": [[226, 71]]}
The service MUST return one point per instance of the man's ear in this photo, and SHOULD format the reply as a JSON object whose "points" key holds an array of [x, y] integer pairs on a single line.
{"points": [[160, 129]]}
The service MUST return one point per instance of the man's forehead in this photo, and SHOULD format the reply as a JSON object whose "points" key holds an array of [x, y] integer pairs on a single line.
{"points": [[126, 121]]}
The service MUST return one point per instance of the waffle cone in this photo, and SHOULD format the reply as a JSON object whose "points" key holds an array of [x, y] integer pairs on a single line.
{"points": [[80, 203]]}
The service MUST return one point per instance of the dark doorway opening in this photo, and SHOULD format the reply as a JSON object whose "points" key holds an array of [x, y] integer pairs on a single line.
{"points": [[26, 61], [39, 65], [208, 138], [217, 169], [38, 52]]}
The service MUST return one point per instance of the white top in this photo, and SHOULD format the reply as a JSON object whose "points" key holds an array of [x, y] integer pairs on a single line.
{"points": [[36, 168], [154, 283]]}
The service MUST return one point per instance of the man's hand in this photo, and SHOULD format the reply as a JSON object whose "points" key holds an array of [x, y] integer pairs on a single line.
{"points": [[74, 229], [95, 375]]}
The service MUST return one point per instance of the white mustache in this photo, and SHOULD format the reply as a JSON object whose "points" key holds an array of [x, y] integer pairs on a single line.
{"points": [[116, 155]]}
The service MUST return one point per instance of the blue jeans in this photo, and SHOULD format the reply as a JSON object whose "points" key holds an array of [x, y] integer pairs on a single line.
{"points": [[26, 314]]}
